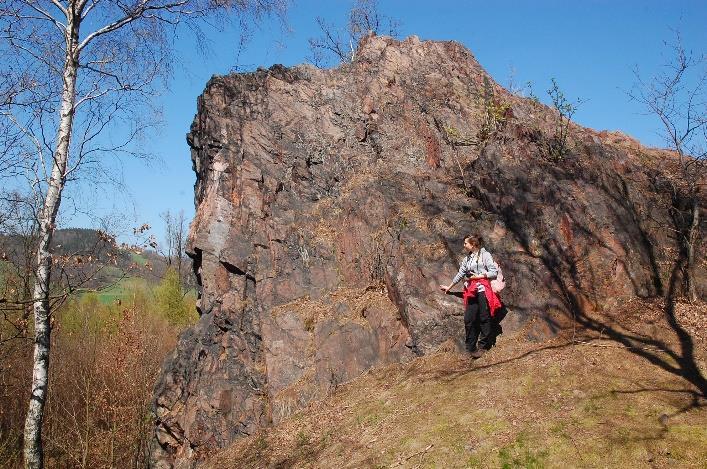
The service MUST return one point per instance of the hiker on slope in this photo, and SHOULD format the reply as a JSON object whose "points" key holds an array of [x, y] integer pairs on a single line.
{"points": [[480, 301]]}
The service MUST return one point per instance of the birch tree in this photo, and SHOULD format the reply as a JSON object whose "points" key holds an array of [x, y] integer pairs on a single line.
{"points": [[175, 240], [76, 69]]}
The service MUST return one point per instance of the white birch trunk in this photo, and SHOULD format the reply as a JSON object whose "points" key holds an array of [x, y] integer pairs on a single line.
{"points": [[33, 451]]}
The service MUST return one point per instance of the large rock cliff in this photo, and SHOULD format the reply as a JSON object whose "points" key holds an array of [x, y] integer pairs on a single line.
{"points": [[332, 203]]}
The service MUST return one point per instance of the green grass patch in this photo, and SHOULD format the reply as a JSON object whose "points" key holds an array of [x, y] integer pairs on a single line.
{"points": [[139, 259], [493, 426], [520, 454], [122, 290]]}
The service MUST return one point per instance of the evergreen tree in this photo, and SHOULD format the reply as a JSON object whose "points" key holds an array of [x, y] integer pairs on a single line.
{"points": [[171, 301]]}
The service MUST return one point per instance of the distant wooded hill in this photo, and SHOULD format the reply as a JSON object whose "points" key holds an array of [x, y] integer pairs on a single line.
{"points": [[84, 248]]}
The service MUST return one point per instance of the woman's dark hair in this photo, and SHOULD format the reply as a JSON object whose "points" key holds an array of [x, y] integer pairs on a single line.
{"points": [[476, 240]]}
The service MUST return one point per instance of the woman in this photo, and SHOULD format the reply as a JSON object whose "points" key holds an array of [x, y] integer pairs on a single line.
{"points": [[480, 302]]}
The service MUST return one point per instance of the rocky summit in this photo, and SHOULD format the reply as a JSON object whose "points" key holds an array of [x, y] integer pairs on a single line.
{"points": [[331, 204]]}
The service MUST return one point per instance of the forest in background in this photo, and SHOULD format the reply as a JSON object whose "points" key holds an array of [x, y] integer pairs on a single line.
{"points": [[109, 340]]}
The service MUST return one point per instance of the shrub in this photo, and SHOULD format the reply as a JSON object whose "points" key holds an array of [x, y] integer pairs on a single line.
{"points": [[171, 301], [495, 113], [557, 145]]}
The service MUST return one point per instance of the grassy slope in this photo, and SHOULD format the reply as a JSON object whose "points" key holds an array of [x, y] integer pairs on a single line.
{"points": [[121, 289], [138, 258], [561, 403]]}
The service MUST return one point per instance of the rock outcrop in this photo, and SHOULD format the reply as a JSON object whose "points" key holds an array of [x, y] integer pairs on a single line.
{"points": [[332, 203]]}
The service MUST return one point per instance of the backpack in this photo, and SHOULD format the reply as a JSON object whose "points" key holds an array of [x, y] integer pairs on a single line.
{"points": [[499, 283]]}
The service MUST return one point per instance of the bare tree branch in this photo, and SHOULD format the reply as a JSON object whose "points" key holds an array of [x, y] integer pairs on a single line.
{"points": [[363, 18]]}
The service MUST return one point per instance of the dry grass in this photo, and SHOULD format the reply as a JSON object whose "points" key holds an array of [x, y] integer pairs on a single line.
{"points": [[561, 403], [325, 215], [312, 311]]}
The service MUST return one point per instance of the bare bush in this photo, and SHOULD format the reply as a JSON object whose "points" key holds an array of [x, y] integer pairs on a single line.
{"points": [[339, 43], [106, 358]]}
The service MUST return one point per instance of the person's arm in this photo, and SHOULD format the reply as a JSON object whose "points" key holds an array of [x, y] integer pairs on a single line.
{"points": [[456, 279], [490, 266]]}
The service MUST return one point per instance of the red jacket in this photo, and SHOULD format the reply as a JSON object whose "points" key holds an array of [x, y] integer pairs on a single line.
{"points": [[493, 300]]}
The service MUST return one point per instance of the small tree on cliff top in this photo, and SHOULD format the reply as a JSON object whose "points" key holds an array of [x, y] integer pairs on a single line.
{"points": [[557, 145], [335, 44], [76, 68]]}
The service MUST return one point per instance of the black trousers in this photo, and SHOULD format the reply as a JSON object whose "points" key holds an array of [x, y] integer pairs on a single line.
{"points": [[477, 323]]}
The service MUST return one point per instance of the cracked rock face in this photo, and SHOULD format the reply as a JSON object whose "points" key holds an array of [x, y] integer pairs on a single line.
{"points": [[331, 204]]}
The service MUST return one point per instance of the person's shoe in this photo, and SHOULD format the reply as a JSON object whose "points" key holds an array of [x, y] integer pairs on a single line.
{"points": [[478, 353]]}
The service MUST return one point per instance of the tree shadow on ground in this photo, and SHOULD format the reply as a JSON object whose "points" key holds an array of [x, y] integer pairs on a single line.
{"points": [[697, 400]]}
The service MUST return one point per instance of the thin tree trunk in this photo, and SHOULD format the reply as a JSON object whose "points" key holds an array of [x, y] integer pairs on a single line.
{"points": [[691, 248], [87, 419], [180, 245], [33, 451]]}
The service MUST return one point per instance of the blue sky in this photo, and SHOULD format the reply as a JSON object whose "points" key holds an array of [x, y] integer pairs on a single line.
{"points": [[589, 46]]}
